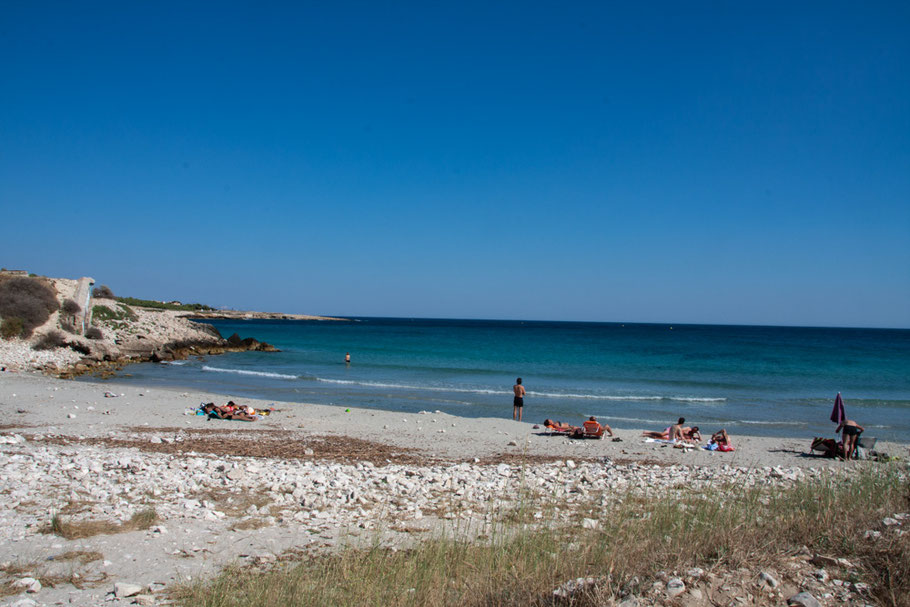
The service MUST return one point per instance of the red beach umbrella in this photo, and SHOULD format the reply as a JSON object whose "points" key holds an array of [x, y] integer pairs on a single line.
{"points": [[837, 414]]}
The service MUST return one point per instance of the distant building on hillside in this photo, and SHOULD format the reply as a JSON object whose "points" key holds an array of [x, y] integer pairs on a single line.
{"points": [[6, 272]]}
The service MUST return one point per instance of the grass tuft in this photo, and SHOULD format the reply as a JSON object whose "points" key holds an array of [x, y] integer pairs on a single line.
{"points": [[81, 529]]}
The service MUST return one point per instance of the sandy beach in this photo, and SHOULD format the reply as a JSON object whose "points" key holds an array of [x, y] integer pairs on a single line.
{"points": [[305, 478]]}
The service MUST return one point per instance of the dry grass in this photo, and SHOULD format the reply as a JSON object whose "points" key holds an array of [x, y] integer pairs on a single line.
{"points": [[84, 557], [249, 524], [235, 504], [521, 564], [81, 529], [269, 443], [37, 570]]}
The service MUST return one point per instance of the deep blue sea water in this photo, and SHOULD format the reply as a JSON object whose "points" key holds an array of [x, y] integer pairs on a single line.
{"points": [[778, 381]]}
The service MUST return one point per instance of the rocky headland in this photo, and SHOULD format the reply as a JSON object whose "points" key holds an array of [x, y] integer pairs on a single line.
{"points": [[108, 334]]}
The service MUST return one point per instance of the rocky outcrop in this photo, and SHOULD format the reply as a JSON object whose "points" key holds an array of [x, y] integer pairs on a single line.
{"points": [[105, 358]]}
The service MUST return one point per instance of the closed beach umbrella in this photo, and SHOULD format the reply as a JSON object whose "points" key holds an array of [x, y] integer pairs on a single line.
{"points": [[837, 414]]}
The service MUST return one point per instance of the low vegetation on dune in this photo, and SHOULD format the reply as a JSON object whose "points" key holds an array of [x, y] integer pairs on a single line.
{"points": [[25, 304], [519, 561], [161, 305]]}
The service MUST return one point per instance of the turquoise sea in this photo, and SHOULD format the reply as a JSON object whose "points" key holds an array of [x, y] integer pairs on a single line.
{"points": [[778, 381]]}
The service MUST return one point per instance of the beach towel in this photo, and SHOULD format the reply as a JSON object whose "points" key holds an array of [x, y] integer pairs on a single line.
{"points": [[837, 414], [716, 447]]}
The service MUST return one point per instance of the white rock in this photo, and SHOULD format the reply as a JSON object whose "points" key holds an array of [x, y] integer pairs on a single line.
{"points": [[589, 523], [803, 599], [675, 587], [768, 580], [124, 589]]}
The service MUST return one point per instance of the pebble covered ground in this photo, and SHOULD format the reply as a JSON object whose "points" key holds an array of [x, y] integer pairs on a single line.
{"points": [[214, 508]]}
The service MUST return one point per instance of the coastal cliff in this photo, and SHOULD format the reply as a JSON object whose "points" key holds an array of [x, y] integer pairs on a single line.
{"points": [[104, 333]]}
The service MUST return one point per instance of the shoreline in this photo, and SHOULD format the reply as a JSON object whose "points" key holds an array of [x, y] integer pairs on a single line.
{"points": [[302, 481], [438, 434]]}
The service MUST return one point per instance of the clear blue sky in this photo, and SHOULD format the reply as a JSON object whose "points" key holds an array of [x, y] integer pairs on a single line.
{"points": [[660, 162]]}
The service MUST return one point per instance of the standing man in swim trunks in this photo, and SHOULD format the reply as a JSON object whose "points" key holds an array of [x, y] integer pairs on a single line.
{"points": [[518, 402], [851, 433]]}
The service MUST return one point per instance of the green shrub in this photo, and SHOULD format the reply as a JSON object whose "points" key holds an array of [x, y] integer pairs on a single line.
{"points": [[160, 305], [29, 299], [11, 327], [103, 292], [49, 341], [70, 307], [121, 312]]}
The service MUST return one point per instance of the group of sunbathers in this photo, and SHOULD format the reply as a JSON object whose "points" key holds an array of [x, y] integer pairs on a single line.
{"points": [[590, 429], [234, 411], [677, 433], [720, 440]]}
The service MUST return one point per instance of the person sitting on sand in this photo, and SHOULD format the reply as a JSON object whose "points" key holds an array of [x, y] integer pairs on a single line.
{"points": [[592, 426], [851, 432], [721, 438], [691, 435], [677, 432]]}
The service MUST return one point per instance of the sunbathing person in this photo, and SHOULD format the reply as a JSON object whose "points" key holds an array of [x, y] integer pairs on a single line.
{"points": [[676, 433], [558, 426], [669, 434], [592, 426], [720, 441], [721, 437], [691, 435], [230, 411]]}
